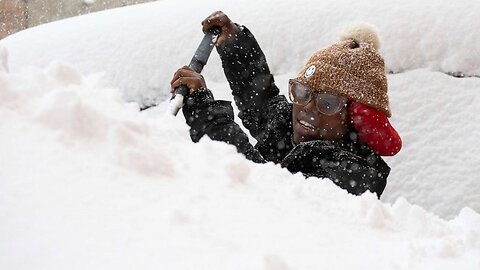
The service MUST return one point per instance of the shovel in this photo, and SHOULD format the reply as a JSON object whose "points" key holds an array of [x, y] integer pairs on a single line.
{"points": [[197, 63]]}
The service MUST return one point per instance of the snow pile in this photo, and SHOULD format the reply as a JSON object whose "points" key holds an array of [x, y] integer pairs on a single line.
{"points": [[139, 47], [3, 59], [88, 182], [437, 117]]}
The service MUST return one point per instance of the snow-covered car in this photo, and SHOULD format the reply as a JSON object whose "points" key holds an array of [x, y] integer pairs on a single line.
{"points": [[89, 181]]}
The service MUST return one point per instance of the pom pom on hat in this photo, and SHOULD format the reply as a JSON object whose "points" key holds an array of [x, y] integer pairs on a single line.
{"points": [[362, 32]]}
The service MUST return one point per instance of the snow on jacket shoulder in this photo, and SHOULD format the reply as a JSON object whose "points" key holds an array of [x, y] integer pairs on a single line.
{"points": [[267, 116]]}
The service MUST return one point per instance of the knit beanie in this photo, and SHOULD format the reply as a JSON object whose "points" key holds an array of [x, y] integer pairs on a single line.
{"points": [[351, 68]]}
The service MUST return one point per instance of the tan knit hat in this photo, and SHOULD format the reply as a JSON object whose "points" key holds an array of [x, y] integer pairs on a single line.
{"points": [[352, 68]]}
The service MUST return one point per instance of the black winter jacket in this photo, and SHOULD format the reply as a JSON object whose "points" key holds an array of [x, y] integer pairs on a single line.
{"points": [[268, 117]]}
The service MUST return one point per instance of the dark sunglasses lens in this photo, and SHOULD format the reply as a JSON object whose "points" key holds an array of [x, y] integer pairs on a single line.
{"points": [[299, 94], [329, 104]]}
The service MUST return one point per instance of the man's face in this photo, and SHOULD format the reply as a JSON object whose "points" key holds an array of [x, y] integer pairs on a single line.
{"points": [[310, 124]]}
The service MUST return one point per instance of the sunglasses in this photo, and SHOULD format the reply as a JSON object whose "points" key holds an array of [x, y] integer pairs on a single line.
{"points": [[327, 104]]}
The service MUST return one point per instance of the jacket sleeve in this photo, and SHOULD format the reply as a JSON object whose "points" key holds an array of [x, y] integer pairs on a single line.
{"points": [[352, 172], [205, 115], [252, 85], [266, 114]]}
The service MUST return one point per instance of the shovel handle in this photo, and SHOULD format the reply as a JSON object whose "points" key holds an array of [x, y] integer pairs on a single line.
{"points": [[199, 60]]}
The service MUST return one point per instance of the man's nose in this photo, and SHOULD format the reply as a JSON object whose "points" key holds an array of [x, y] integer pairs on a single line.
{"points": [[310, 106]]}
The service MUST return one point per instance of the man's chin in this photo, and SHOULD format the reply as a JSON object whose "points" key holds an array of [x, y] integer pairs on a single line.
{"points": [[297, 138]]}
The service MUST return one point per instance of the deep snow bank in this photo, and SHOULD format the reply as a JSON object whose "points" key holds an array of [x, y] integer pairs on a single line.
{"points": [[86, 181], [437, 117], [139, 47]]}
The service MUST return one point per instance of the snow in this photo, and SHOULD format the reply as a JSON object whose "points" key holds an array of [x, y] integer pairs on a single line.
{"points": [[437, 117], [89, 182], [137, 47], [3, 59]]}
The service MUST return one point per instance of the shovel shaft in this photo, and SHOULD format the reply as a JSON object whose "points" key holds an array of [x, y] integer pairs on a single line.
{"points": [[199, 60]]}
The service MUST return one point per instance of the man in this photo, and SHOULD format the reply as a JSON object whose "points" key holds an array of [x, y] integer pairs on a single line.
{"points": [[337, 126]]}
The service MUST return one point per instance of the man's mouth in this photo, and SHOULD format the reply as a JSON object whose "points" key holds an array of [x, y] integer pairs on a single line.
{"points": [[306, 125]]}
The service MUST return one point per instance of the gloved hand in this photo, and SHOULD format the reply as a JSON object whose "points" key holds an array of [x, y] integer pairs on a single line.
{"points": [[374, 129], [227, 27]]}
